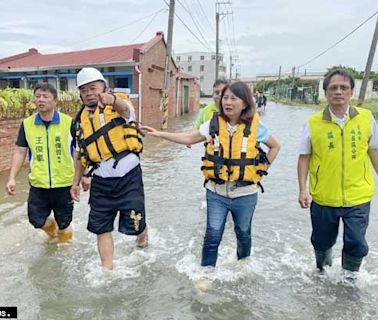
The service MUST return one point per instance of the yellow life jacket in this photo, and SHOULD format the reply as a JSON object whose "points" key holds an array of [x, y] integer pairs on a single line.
{"points": [[103, 134], [234, 158]]}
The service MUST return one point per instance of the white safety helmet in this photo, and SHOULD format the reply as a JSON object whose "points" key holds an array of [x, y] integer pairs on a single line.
{"points": [[87, 75]]}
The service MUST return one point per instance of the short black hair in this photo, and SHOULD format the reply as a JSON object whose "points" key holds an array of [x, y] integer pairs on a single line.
{"points": [[337, 72], [219, 82], [45, 86]]}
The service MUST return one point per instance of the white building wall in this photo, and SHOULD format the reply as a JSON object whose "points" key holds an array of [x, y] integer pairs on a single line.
{"points": [[202, 65]]}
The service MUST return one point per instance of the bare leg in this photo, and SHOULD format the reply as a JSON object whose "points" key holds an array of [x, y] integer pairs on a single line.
{"points": [[142, 239], [105, 247]]}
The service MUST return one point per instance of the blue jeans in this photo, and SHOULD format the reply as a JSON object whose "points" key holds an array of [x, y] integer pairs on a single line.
{"points": [[242, 209]]}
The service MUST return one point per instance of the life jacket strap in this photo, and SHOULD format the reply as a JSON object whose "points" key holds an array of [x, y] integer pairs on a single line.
{"points": [[104, 130]]}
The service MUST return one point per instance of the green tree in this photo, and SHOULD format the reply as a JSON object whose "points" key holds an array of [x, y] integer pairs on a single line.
{"points": [[353, 72]]}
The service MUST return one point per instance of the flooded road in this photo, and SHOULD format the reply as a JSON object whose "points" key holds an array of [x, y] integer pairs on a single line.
{"points": [[165, 281]]}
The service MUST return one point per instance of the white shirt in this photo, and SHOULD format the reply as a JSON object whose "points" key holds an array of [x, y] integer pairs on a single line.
{"points": [[305, 142], [262, 131]]}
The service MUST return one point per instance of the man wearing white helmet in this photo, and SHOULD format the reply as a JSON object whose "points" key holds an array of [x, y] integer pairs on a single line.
{"points": [[109, 142]]}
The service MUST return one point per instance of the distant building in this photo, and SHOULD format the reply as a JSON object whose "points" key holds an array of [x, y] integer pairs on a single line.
{"points": [[202, 65], [307, 75], [137, 69]]}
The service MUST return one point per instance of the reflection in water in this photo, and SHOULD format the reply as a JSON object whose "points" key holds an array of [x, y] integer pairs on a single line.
{"points": [[165, 281]]}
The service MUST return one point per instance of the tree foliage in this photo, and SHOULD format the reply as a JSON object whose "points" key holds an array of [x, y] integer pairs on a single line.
{"points": [[270, 85], [297, 82], [357, 74]]}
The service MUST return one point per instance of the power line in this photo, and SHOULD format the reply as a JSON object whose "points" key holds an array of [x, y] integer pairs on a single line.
{"points": [[185, 25], [341, 40], [118, 28], [233, 31], [204, 14], [194, 21], [226, 34], [207, 29], [231, 27], [144, 29]]}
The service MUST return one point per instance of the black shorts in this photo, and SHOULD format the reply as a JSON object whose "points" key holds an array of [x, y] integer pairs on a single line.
{"points": [[125, 195], [42, 201]]}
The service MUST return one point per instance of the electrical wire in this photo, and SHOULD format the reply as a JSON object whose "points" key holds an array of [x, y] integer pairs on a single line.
{"points": [[193, 19], [118, 28], [185, 25], [341, 40]]}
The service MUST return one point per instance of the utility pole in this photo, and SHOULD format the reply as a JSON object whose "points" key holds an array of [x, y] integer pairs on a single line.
{"points": [[369, 63], [233, 58], [216, 42], [217, 18], [164, 99], [230, 67], [237, 72], [279, 83], [292, 84]]}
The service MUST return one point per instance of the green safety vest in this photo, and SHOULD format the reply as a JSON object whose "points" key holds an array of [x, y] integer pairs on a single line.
{"points": [[206, 114], [51, 152], [340, 167]]}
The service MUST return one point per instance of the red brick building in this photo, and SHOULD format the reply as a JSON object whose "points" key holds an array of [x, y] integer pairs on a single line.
{"points": [[137, 69]]}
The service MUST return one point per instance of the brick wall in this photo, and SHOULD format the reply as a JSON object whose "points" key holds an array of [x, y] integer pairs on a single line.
{"points": [[8, 135], [152, 68]]}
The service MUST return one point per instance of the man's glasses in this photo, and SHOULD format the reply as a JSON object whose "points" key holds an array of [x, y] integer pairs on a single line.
{"points": [[335, 88]]}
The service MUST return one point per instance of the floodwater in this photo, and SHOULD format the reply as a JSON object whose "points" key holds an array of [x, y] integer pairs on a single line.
{"points": [[165, 280]]}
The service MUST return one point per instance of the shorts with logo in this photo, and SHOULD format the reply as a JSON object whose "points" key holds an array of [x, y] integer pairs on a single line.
{"points": [[125, 195], [42, 201]]}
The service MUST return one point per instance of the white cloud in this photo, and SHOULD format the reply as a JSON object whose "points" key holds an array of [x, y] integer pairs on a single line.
{"points": [[268, 33]]}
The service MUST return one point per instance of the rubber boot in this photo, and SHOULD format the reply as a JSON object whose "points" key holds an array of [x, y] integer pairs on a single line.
{"points": [[323, 258], [351, 266], [65, 237], [51, 230], [351, 263]]}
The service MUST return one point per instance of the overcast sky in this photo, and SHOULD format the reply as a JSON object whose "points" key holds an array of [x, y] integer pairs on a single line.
{"points": [[263, 34]]}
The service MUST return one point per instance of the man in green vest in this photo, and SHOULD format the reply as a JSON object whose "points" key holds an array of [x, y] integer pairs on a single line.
{"points": [[338, 146], [206, 113], [48, 136]]}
